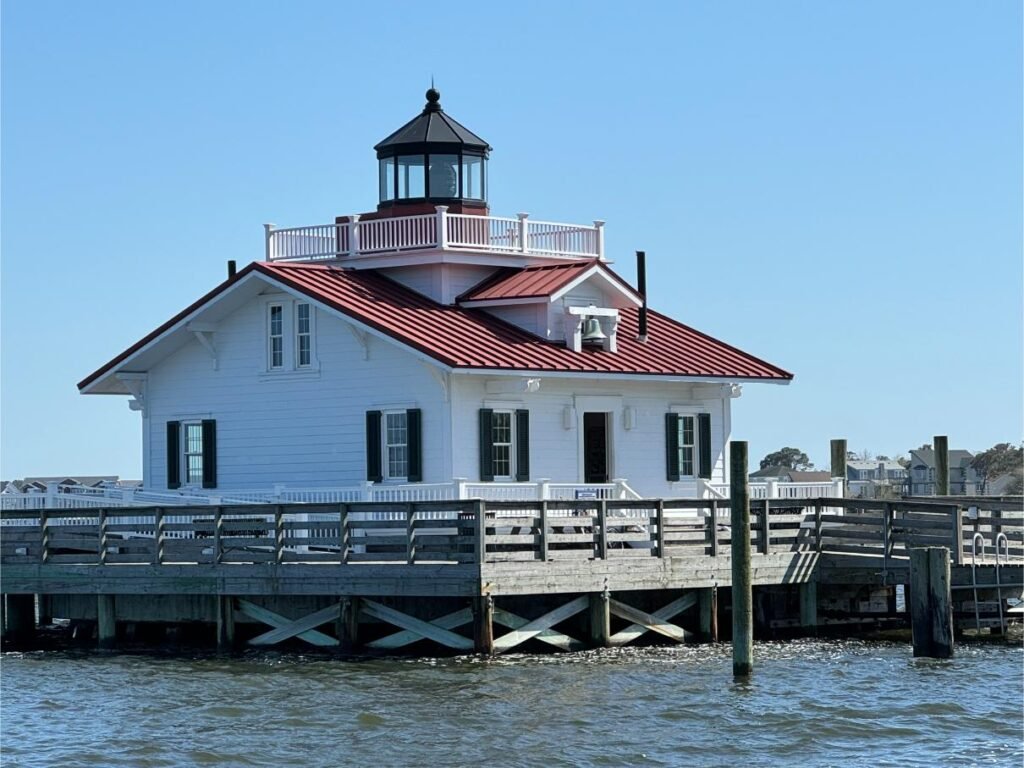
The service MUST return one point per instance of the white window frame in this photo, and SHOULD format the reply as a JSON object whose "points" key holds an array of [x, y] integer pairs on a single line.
{"points": [[290, 365], [691, 412], [512, 445], [309, 334], [271, 336], [691, 446], [385, 462], [185, 454]]}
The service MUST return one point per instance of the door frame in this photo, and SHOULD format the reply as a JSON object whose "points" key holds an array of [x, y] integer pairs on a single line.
{"points": [[607, 404]]}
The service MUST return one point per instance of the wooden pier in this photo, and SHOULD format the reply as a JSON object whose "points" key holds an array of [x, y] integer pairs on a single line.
{"points": [[491, 577]]}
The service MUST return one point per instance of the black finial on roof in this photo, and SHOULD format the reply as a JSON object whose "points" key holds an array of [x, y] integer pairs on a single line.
{"points": [[433, 99]]}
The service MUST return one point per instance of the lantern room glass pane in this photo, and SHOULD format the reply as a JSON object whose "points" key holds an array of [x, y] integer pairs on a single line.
{"points": [[444, 175], [473, 177], [387, 178], [411, 177]]}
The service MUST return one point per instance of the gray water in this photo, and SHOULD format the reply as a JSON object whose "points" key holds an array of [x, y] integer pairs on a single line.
{"points": [[809, 703]]}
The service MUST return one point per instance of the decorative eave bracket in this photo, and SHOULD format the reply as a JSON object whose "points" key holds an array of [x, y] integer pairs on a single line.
{"points": [[204, 335], [135, 383], [362, 339], [443, 378]]}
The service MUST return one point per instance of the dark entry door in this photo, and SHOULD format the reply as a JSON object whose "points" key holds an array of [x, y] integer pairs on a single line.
{"points": [[595, 447]]}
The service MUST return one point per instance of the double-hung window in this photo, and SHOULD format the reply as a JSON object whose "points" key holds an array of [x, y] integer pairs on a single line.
{"points": [[275, 336], [394, 445], [504, 444], [192, 453], [303, 335], [291, 336], [687, 445]]}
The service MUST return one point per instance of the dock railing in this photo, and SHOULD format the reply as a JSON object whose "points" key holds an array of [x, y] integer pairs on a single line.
{"points": [[476, 531]]}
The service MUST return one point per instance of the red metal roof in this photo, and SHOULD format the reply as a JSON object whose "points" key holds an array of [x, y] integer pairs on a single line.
{"points": [[531, 282], [470, 338]]}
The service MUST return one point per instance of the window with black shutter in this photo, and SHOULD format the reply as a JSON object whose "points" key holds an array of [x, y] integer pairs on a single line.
{"points": [[687, 445], [373, 446], [174, 454], [504, 444]]}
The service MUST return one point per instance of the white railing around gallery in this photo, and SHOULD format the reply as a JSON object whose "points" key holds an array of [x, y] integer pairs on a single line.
{"points": [[446, 231]]}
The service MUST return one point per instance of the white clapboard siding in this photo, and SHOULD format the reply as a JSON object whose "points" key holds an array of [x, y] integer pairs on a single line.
{"points": [[304, 429]]}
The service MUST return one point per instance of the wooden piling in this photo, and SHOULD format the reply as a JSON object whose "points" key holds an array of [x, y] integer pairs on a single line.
{"points": [[600, 619], [838, 456], [931, 605], [941, 446], [45, 603], [742, 590], [483, 624], [809, 606], [225, 622], [19, 619], [708, 605], [347, 627], [106, 621]]}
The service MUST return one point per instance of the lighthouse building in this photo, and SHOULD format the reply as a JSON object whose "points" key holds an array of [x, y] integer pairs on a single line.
{"points": [[429, 350]]}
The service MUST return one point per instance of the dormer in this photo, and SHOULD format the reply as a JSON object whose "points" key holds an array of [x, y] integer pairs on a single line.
{"points": [[575, 303]]}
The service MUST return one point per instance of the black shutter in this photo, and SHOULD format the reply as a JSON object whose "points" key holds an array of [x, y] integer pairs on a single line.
{"points": [[486, 444], [704, 444], [373, 470], [414, 440], [174, 454], [522, 445], [209, 453], [672, 446]]}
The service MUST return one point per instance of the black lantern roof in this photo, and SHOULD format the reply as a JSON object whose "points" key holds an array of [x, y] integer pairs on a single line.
{"points": [[432, 131]]}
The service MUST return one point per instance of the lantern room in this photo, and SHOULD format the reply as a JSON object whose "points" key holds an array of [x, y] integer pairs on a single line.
{"points": [[432, 160]]}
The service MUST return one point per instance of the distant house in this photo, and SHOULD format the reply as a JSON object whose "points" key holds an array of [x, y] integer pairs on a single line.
{"points": [[963, 480], [874, 479], [787, 475], [878, 470]]}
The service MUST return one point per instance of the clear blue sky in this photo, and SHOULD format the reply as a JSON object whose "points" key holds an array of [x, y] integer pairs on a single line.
{"points": [[835, 187]]}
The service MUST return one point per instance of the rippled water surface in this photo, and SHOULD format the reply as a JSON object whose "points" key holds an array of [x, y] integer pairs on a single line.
{"points": [[809, 703]]}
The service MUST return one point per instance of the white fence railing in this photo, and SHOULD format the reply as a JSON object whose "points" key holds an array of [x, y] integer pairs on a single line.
{"points": [[447, 231], [778, 489], [72, 497]]}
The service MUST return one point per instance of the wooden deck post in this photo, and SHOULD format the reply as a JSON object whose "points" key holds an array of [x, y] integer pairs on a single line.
{"points": [[19, 619], [931, 605], [839, 462], [809, 605], [600, 619], [106, 621], [742, 590], [225, 622], [45, 603], [347, 628], [483, 624], [941, 445], [709, 614]]}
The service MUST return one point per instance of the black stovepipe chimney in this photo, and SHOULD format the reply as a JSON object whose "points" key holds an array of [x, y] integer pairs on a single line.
{"points": [[641, 285]]}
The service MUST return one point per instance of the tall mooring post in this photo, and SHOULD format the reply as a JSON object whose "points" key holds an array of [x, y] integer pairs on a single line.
{"points": [[838, 456], [742, 591], [941, 445], [931, 603]]}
